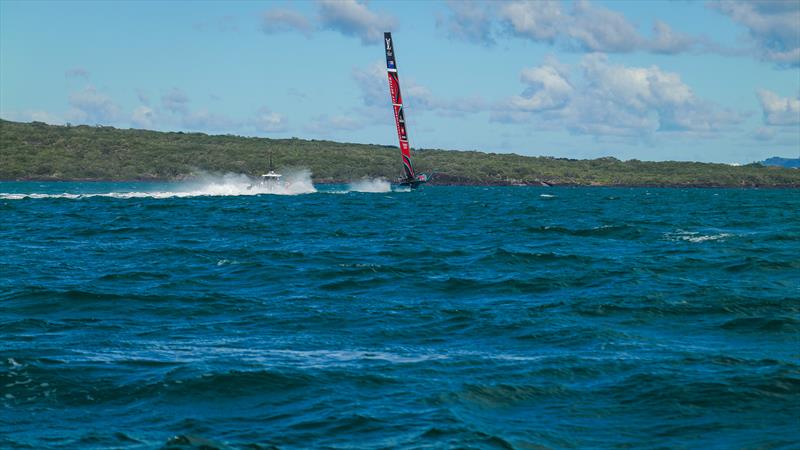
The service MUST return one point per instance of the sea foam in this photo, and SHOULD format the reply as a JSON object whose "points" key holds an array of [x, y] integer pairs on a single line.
{"points": [[375, 185], [294, 183]]}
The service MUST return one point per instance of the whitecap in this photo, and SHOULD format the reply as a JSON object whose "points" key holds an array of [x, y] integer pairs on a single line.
{"points": [[371, 185], [696, 236]]}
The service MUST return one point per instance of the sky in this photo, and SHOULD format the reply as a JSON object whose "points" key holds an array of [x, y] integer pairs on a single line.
{"points": [[713, 81]]}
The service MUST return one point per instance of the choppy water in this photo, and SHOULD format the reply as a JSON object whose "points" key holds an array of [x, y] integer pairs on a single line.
{"points": [[447, 317]]}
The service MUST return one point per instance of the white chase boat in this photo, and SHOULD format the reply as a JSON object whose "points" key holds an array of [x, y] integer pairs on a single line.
{"points": [[270, 180]]}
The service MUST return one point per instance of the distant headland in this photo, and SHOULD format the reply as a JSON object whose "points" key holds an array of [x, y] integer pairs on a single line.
{"points": [[38, 151]]}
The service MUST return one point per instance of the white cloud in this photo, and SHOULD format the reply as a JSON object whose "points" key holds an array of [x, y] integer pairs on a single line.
{"points": [[584, 27], [644, 100], [599, 29], [91, 106], [278, 20], [548, 88], [606, 99], [353, 18], [540, 21], [373, 84], [468, 20], [269, 121], [779, 110], [773, 26], [348, 17], [635, 87], [143, 117], [667, 40]]}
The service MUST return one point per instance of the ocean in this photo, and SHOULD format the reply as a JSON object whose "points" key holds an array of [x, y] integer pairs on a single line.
{"points": [[207, 315]]}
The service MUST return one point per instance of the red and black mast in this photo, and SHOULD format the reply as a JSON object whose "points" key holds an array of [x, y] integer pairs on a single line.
{"points": [[397, 104]]}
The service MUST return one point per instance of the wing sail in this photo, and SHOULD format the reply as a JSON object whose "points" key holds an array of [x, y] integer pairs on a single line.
{"points": [[397, 104]]}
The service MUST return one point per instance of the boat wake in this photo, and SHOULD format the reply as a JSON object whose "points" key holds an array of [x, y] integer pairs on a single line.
{"points": [[295, 183], [375, 185]]}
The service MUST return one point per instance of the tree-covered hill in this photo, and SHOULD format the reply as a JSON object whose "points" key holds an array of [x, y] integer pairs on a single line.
{"points": [[49, 152]]}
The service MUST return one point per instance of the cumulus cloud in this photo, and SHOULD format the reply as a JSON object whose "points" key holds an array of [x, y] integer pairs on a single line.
{"points": [[600, 98], [773, 27], [278, 20], [599, 29], [348, 17], [667, 40], [548, 88], [779, 110], [92, 106], [644, 100], [469, 21], [353, 18], [175, 101], [373, 84], [542, 21], [583, 27]]}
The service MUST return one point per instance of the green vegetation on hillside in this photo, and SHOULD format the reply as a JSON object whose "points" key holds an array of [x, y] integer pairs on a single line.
{"points": [[40, 151]]}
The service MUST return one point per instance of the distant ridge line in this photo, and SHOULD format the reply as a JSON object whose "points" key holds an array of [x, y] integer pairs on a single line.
{"points": [[38, 151]]}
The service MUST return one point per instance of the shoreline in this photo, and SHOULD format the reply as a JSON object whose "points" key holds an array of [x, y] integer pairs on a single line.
{"points": [[325, 181]]}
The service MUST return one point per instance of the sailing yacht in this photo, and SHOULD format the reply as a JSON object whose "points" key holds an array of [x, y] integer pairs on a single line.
{"points": [[410, 178]]}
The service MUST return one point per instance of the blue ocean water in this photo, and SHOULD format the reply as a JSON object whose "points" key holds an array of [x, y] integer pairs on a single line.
{"points": [[141, 315]]}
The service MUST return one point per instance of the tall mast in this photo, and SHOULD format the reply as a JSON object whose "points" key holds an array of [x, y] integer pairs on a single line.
{"points": [[397, 104]]}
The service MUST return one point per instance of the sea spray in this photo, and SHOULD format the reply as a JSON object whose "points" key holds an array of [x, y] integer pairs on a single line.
{"points": [[374, 185], [295, 182]]}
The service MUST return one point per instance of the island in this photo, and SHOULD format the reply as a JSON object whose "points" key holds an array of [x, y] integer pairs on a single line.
{"points": [[38, 151]]}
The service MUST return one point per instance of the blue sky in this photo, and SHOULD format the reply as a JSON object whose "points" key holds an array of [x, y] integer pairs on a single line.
{"points": [[675, 80]]}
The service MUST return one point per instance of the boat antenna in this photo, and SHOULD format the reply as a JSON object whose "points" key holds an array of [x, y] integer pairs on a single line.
{"points": [[270, 161]]}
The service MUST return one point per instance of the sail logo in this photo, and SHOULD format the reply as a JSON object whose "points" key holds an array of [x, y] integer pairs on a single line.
{"points": [[388, 44]]}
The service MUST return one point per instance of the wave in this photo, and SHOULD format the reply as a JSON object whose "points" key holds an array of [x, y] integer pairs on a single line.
{"points": [[295, 183], [696, 236], [372, 185]]}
